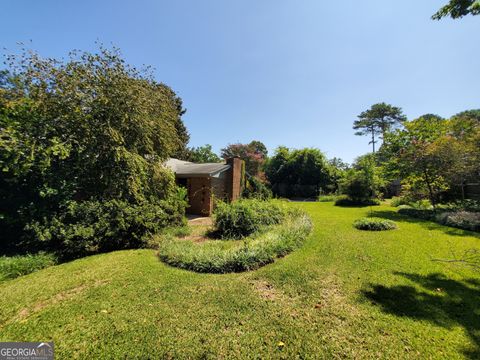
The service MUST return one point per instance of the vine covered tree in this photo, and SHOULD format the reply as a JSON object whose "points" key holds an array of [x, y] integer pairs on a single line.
{"points": [[82, 142], [377, 121]]}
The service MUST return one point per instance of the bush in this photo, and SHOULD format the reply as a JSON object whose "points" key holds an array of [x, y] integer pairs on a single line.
{"points": [[466, 205], [90, 227], [244, 217], [15, 266], [226, 256], [396, 201], [345, 201], [63, 150], [328, 198], [425, 214], [255, 189], [374, 224], [460, 219]]}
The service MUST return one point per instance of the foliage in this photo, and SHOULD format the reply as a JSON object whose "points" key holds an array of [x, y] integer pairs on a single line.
{"points": [[203, 154], [254, 252], [460, 219], [15, 266], [396, 201], [378, 120], [303, 173], [433, 155], [374, 224], [242, 218], [254, 154], [346, 201], [89, 227], [466, 205], [424, 214], [255, 189], [88, 129], [328, 198], [457, 9], [338, 169], [362, 183]]}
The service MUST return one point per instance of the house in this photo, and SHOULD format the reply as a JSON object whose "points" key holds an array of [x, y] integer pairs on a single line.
{"points": [[205, 182]]}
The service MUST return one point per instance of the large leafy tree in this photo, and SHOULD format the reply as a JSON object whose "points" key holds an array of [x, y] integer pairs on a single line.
{"points": [[203, 154], [303, 172], [254, 154], [363, 180], [377, 121], [457, 9], [90, 128], [432, 154]]}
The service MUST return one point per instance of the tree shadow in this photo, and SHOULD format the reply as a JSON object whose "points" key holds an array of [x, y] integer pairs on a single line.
{"points": [[441, 301], [427, 224]]}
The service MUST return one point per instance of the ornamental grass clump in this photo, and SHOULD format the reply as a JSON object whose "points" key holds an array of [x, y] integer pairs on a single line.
{"points": [[374, 224]]}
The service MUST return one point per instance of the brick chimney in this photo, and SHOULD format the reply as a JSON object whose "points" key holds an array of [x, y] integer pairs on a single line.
{"points": [[235, 181]]}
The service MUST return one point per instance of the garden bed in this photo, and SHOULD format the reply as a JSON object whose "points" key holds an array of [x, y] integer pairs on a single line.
{"points": [[226, 255]]}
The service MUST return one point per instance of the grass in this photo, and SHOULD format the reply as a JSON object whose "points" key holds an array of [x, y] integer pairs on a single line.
{"points": [[344, 294]]}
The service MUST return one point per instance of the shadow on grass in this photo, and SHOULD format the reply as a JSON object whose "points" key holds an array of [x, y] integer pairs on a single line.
{"points": [[441, 301], [427, 224]]}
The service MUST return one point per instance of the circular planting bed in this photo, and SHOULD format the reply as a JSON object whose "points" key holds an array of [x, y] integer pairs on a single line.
{"points": [[374, 224], [227, 255]]}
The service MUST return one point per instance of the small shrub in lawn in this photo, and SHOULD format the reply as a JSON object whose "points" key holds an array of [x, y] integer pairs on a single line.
{"points": [[15, 266], [460, 219], [345, 201], [245, 217], [217, 256], [374, 224]]}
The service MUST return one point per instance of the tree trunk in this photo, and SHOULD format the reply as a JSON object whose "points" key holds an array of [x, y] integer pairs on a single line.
{"points": [[373, 140], [430, 190]]}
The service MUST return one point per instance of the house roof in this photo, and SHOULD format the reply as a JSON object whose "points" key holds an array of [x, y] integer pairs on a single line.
{"points": [[186, 169]]}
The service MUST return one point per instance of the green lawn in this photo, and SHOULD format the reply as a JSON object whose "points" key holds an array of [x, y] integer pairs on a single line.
{"points": [[345, 294]]}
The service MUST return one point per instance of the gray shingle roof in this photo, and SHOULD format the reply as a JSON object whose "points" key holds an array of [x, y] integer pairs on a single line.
{"points": [[188, 169]]}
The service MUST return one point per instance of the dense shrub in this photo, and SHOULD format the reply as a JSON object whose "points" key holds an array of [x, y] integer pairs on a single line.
{"points": [[374, 224], [396, 201], [460, 219], [82, 142], [218, 256], [298, 172], [425, 214], [244, 217], [255, 189], [89, 227], [466, 205], [15, 266], [346, 201]]}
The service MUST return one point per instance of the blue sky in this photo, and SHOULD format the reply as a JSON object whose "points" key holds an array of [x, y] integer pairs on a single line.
{"points": [[294, 73]]}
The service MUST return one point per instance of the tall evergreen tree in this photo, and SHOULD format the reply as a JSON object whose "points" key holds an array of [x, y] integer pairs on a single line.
{"points": [[377, 121]]}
